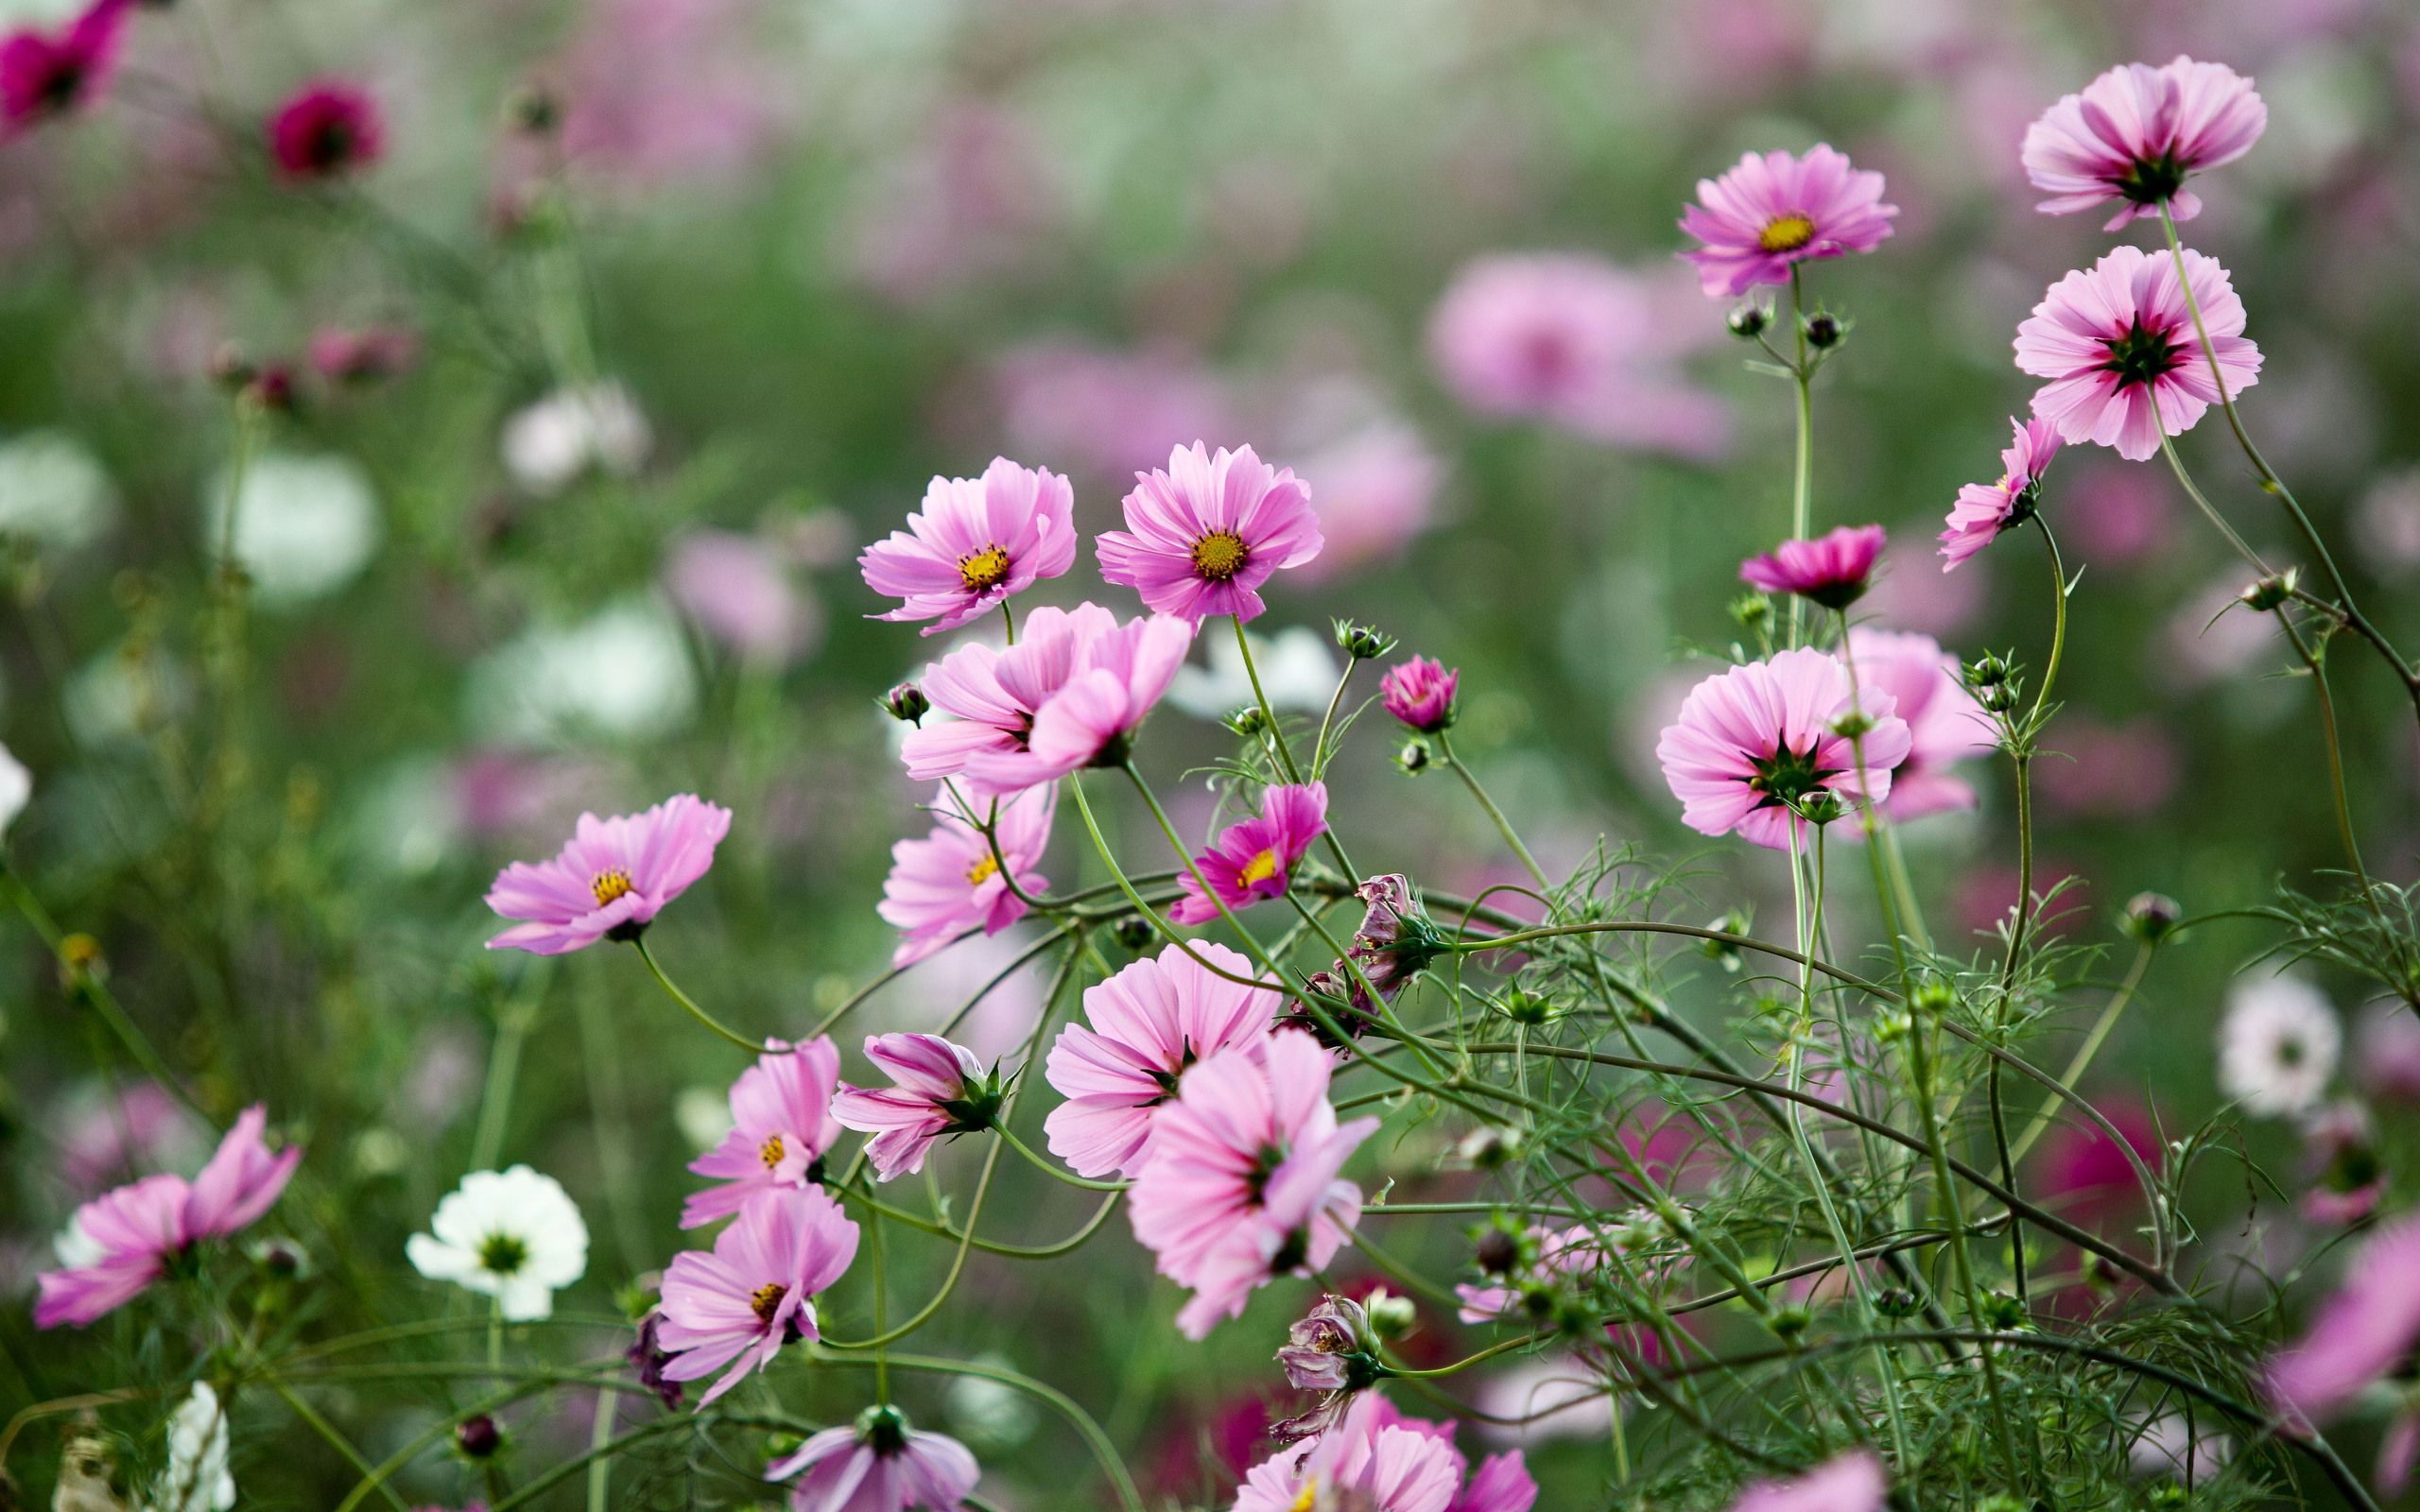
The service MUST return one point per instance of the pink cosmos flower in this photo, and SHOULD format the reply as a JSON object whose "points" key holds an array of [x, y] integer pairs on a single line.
{"points": [[991, 695], [141, 1128], [1853, 1481], [2363, 1331], [1117, 677], [1772, 213], [737, 587], [2117, 344], [1377, 488], [1380, 1459], [1754, 742], [977, 542], [950, 881], [46, 74], [1111, 412], [781, 1125], [2343, 1156], [752, 1294], [119, 1244], [613, 877], [1254, 859], [1150, 1023], [1831, 569], [325, 129], [1569, 1252], [2386, 1056], [1421, 693], [1946, 724], [1985, 510], [360, 356], [2137, 133], [941, 1089], [1241, 1184], [881, 1465], [1202, 536]]}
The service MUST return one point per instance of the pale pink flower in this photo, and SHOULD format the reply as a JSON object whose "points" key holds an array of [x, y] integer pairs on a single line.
{"points": [[1946, 724], [880, 1465], [939, 1090], [1111, 412], [1116, 676], [737, 587], [1853, 1481], [360, 356], [1150, 1023], [611, 880], [2113, 771], [1751, 742], [990, 694], [1985, 510], [1254, 859], [1203, 535], [1378, 1459], [781, 1128], [1564, 1253], [124, 1133], [1772, 213], [2341, 1147], [1377, 491], [753, 1293], [2118, 343], [951, 882], [2363, 1331], [1420, 694], [672, 92], [2117, 515], [43, 73], [976, 542], [2137, 133], [1832, 569], [2386, 1054]]}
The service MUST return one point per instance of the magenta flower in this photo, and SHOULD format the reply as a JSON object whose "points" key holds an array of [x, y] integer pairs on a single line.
{"points": [[950, 881], [1254, 859], [941, 1091], [753, 1293], [1853, 1481], [881, 1465], [1118, 674], [1985, 510], [1420, 694], [1241, 1184], [2137, 133], [1377, 1458], [362, 356], [1772, 213], [2119, 347], [1946, 724], [781, 1125], [325, 129], [1832, 570], [1150, 1023], [2365, 1329], [977, 541], [120, 1243], [613, 877], [991, 695], [1754, 743], [46, 74], [1202, 536]]}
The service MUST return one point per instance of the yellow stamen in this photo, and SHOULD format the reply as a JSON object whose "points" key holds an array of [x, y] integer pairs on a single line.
{"points": [[772, 1152], [609, 885], [1259, 868], [983, 866], [767, 1300], [988, 568], [1785, 234], [1220, 555], [1309, 1499]]}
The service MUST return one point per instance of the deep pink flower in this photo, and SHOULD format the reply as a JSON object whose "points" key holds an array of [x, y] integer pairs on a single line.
{"points": [[1985, 510], [1150, 1023], [941, 1091], [2088, 1171], [881, 1465], [991, 695], [781, 1125], [2117, 344], [1241, 1184], [1377, 1458], [753, 1293], [360, 356], [950, 881], [977, 542], [1853, 1481], [2363, 1331], [119, 1244], [613, 877], [1772, 213], [1755, 741], [1421, 693], [1946, 724], [1203, 535], [1832, 569], [324, 130], [1118, 676], [1254, 859], [46, 74], [737, 589], [2137, 133]]}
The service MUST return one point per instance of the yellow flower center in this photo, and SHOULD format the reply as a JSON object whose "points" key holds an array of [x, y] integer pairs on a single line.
{"points": [[982, 867], [766, 1299], [609, 885], [771, 1151], [988, 568], [1259, 868], [1785, 234], [1220, 555], [1309, 1499]]}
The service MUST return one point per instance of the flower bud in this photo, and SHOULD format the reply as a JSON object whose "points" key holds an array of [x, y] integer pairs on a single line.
{"points": [[1753, 611], [1824, 330], [282, 1258], [1985, 671], [1789, 1321], [2001, 1311], [1249, 721], [478, 1437], [2270, 591], [1822, 806], [2149, 917], [1391, 1316], [1525, 1007], [272, 388], [1414, 757], [1897, 1302], [1748, 321], [1488, 1148], [1932, 1000], [1892, 1026], [1362, 643], [908, 703], [1998, 697], [1134, 932], [82, 965], [1855, 723], [1498, 1251]]}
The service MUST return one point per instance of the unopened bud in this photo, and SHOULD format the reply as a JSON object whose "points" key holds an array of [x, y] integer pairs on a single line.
{"points": [[1498, 1252], [1892, 1026], [82, 965], [1722, 952], [1996, 697], [1932, 1000], [1391, 1316], [1488, 1149], [1524, 1007], [1897, 1302], [1134, 932], [1362, 643], [1748, 321], [1986, 670], [1414, 757], [478, 1437], [1824, 330], [230, 368], [2149, 917], [1754, 612], [908, 703], [282, 1258], [1852, 724], [1789, 1321], [2270, 591], [1248, 721], [1822, 806], [2001, 1311], [272, 388]]}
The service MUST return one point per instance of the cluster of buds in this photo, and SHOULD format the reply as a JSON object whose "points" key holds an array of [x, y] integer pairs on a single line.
{"points": [[1362, 643], [1989, 678]]}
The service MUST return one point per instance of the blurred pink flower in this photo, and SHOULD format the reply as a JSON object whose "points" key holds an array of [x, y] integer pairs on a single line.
{"points": [[950, 881], [976, 542], [2115, 515], [2364, 1331], [1831, 569], [781, 1125], [1774, 212], [881, 1465], [735, 587], [446, 1068], [1203, 535], [325, 129], [2109, 772], [611, 878], [1559, 1253], [1109, 413], [742, 1303], [1986, 897], [1377, 487], [2119, 346], [1946, 724], [939, 1089], [2386, 1055], [1985, 510], [1118, 676], [1937, 604], [2086, 1170], [1853, 1481], [2387, 521], [667, 90], [2341, 1147], [45, 74], [1754, 740], [360, 356], [2137, 133], [2213, 635], [135, 1131], [969, 198], [1254, 858]]}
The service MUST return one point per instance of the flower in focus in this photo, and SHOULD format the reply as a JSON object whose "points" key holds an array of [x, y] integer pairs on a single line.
{"points": [[990, 695], [1204, 533], [1831, 569], [561, 435], [1380, 1460], [1254, 859], [324, 130], [1985, 510], [1420, 694], [939, 1090], [2118, 343], [781, 1125], [1148, 1024], [1754, 743], [2362, 1333], [513, 1235], [1853, 1481], [2343, 1157], [977, 542], [737, 587], [196, 1479], [46, 74], [880, 1465], [304, 526], [2137, 133], [1240, 1183], [2277, 1045], [360, 356], [1946, 724], [951, 882], [612, 878], [752, 1294], [1118, 674], [1775, 211]]}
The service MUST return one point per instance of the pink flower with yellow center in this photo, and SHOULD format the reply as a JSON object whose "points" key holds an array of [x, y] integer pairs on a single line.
{"points": [[1201, 537], [1255, 858], [1774, 212], [977, 542], [753, 1293], [781, 1125], [951, 882], [611, 880]]}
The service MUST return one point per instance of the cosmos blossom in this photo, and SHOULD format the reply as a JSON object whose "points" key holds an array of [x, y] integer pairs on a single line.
{"points": [[611, 880], [43, 73], [781, 1125], [1774, 212], [1202, 536], [1752, 743], [1117, 675], [2137, 133], [752, 1294], [976, 542], [1853, 1481], [2363, 1331], [1254, 859], [1420, 694], [1985, 510], [879, 1465], [990, 695], [1946, 724], [2277, 1045], [1831, 569], [939, 1089], [950, 881], [513, 1235], [325, 129], [1377, 1458]]}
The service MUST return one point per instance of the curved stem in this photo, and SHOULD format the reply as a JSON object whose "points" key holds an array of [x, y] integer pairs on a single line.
{"points": [[753, 1046], [1049, 1169], [1503, 826], [1328, 721]]}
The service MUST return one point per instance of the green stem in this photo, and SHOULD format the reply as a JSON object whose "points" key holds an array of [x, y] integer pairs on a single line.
{"points": [[335, 1440], [1503, 826], [753, 1046], [2091, 1047], [1277, 737], [1328, 721], [1049, 1168], [1802, 499], [512, 1026], [2335, 753]]}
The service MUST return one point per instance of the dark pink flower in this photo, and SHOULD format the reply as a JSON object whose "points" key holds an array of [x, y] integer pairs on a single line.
{"points": [[2137, 133], [1755, 742], [325, 129], [360, 356], [2117, 344], [950, 881], [1985, 510], [1831, 569], [1420, 694], [46, 74], [2363, 1331], [977, 542], [1775, 211], [753, 1293], [1254, 859], [1946, 724], [939, 1090], [611, 880], [991, 695], [1116, 676], [1203, 535], [2088, 1171], [781, 1127], [881, 1465], [737, 589], [1853, 1481]]}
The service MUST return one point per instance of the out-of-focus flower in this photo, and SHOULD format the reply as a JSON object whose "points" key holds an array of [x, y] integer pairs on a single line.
{"points": [[753, 1293], [976, 542], [43, 73], [362, 356], [735, 587], [16, 788], [610, 878], [1937, 604], [1118, 674], [2137, 133], [305, 527], [648, 1359], [781, 1125], [1774, 212], [990, 695], [1546, 1397], [1254, 859], [2169, 1446], [1946, 724], [1853, 1481], [1559, 1254], [2087, 1171], [1985, 510], [128, 1132], [951, 882], [966, 202], [196, 1479], [1753, 744], [1831, 569], [1111, 412], [1203, 533], [1420, 694], [989, 1413], [624, 672], [2125, 364], [2385, 522], [1297, 671], [53, 491], [939, 1090], [2115, 771], [2212, 635], [2386, 1052], [2114, 515], [513, 1234], [561, 435], [668, 92], [2277, 1045], [325, 129], [1378, 1459], [2363, 1331], [1377, 491], [2341, 1141], [880, 1465]]}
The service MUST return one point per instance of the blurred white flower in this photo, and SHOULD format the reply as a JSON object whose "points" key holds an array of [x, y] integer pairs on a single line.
{"points": [[305, 527], [1559, 1397], [2169, 1446], [198, 1478], [53, 490], [560, 437], [622, 672], [16, 788], [114, 698], [703, 1116], [2387, 524], [514, 1235], [2277, 1045], [987, 1414], [1297, 671]]}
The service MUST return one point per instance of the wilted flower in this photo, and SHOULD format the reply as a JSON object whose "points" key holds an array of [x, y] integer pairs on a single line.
{"points": [[1755, 742], [976, 542], [752, 1294], [647, 1357], [1985, 510], [513, 1235], [325, 129], [1420, 694], [1831, 569], [940, 1091], [1772, 213], [2277, 1045], [781, 1125], [1331, 1348], [951, 882], [45, 74], [1254, 859], [2137, 133], [611, 880], [1204, 533], [880, 1465]]}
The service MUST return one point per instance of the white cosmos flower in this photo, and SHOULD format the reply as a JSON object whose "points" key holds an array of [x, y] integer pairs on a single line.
{"points": [[1555, 1398], [198, 1478], [16, 788], [53, 491], [554, 441], [2169, 1446], [305, 527], [2277, 1045], [625, 671], [514, 1235], [1297, 671]]}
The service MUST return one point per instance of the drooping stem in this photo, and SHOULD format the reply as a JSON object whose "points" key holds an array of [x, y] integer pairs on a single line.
{"points": [[753, 1046], [1503, 825]]}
